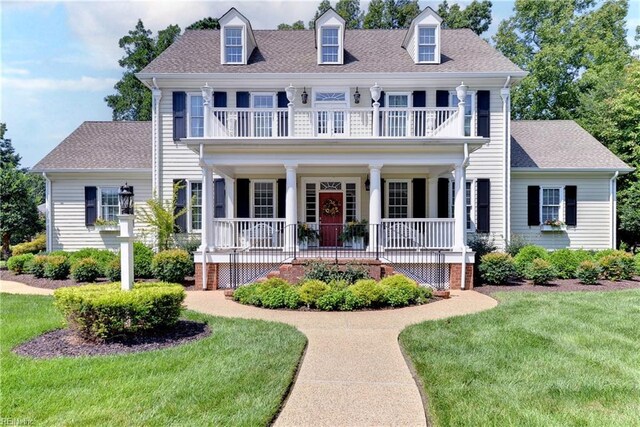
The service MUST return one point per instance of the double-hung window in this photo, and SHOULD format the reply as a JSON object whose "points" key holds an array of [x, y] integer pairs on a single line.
{"points": [[233, 45], [426, 44], [196, 205], [109, 205], [551, 205], [468, 202], [398, 199], [196, 116], [397, 114], [263, 120], [330, 45], [263, 199], [469, 109]]}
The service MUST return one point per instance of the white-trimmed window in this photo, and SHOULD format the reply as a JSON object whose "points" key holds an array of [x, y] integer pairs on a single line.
{"points": [[263, 120], [397, 114], [195, 115], [551, 204], [195, 199], [427, 44], [109, 205], [398, 199], [263, 199], [469, 197], [330, 45], [331, 122], [233, 45], [469, 111]]}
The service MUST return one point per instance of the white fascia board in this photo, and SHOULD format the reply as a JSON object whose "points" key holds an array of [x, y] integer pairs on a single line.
{"points": [[120, 171], [516, 170]]}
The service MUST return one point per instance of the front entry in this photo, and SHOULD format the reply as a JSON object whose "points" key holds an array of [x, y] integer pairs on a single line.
{"points": [[331, 215]]}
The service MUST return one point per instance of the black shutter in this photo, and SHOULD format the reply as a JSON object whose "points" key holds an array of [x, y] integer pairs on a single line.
{"points": [[219, 99], [283, 119], [282, 197], [383, 202], [180, 223], [419, 197], [443, 197], [419, 98], [419, 117], [442, 98], [243, 195], [90, 205], [179, 115], [219, 198], [243, 100], [571, 201], [533, 205], [483, 206], [484, 116]]}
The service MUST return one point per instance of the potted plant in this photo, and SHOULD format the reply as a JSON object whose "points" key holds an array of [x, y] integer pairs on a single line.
{"points": [[553, 225], [102, 224], [354, 233], [306, 234]]}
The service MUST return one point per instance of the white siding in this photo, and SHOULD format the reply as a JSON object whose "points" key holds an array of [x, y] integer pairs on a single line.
{"points": [[594, 211], [68, 214]]}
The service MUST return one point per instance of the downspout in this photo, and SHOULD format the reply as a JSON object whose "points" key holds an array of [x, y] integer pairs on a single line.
{"points": [[463, 264], [202, 245], [48, 218], [614, 208], [506, 110]]}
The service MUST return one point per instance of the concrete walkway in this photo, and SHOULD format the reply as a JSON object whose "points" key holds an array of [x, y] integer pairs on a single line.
{"points": [[353, 373]]}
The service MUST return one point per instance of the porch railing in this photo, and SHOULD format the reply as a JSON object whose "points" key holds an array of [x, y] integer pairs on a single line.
{"points": [[249, 233], [429, 233]]}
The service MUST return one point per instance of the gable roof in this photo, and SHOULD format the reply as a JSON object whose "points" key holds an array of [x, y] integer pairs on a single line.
{"points": [[559, 144], [102, 145], [373, 51]]}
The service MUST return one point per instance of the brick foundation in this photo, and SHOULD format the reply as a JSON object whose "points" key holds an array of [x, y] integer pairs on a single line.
{"points": [[212, 277], [455, 271], [294, 272]]}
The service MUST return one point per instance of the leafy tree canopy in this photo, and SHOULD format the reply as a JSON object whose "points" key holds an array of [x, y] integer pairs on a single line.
{"points": [[298, 25], [205, 24], [322, 8], [390, 13], [476, 16], [8, 156], [350, 11]]}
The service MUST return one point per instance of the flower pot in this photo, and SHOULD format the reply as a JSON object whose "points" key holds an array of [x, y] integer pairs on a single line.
{"points": [[357, 243], [442, 294], [303, 246], [228, 293], [552, 228]]}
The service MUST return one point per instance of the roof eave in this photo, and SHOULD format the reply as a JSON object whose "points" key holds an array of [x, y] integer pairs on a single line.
{"points": [[89, 170], [621, 170]]}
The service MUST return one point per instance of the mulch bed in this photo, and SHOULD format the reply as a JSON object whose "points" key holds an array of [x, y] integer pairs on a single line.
{"points": [[63, 343], [560, 285]]}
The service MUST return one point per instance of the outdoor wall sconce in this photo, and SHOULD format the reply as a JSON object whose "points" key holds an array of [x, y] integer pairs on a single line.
{"points": [[356, 97], [367, 184], [304, 96], [125, 197]]}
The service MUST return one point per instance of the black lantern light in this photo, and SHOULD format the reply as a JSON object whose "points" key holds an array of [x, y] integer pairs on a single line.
{"points": [[126, 199], [356, 96], [304, 96], [367, 184]]}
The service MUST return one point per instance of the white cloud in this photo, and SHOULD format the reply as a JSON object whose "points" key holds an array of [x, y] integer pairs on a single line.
{"points": [[15, 71], [82, 84]]}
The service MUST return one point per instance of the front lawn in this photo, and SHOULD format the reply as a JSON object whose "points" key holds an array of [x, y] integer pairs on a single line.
{"points": [[537, 359], [237, 376]]}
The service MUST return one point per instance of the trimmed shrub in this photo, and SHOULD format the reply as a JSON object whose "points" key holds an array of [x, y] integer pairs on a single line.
{"points": [[86, 270], [515, 245], [339, 299], [112, 271], [248, 294], [618, 265], [274, 282], [311, 290], [105, 312], [637, 263], [327, 272], [588, 272], [36, 266], [526, 256], [279, 297], [369, 291], [540, 271], [400, 291], [496, 268], [482, 244], [20, 263], [142, 260], [565, 262], [35, 246], [598, 255], [101, 256], [172, 265], [56, 267]]}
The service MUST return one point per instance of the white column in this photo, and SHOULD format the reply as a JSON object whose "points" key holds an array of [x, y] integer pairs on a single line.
{"points": [[433, 197], [207, 98], [126, 252], [230, 197], [461, 93], [375, 205], [376, 91], [459, 211], [505, 93], [291, 212], [207, 208], [291, 93], [156, 146]]}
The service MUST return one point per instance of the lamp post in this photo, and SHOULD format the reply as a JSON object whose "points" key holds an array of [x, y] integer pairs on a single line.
{"points": [[125, 197]]}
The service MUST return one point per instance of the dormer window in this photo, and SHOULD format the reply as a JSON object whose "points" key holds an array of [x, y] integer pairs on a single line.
{"points": [[330, 45], [233, 45], [426, 44]]}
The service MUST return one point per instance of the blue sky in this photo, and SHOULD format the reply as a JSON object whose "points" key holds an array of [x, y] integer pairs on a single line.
{"points": [[60, 59]]}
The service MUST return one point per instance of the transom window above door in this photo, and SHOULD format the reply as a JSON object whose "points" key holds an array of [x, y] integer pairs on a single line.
{"points": [[331, 96]]}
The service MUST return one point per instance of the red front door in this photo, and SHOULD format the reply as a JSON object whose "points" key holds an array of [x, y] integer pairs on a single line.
{"points": [[331, 214]]}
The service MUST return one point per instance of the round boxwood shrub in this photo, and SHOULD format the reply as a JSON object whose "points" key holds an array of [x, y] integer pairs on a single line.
{"points": [[20, 263], [618, 265], [526, 256], [369, 291], [142, 260], [310, 290], [86, 270], [171, 266], [339, 299], [496, 268], [37, 245], [400, 291], [101, 256], [248, 294], [105, 312], [36, 266], [56, 267], [540, 271], [565, 262], [279, 297], [112, 271], [588, 272]]}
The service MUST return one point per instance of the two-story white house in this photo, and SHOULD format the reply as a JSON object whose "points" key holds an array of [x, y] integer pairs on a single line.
{"points": [[389, 147]]}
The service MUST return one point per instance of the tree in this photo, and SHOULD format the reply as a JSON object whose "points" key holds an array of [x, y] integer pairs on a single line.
{"points": [[161, 217], [208, 23], [133, 100], [374, 18], [349, 10], [390, 13], [8, 155], [298, 25], [322, 8], [476, 16], [567, 47]]}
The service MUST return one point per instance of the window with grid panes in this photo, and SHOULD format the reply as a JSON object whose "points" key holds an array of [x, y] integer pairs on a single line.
{"points": [[398, 199], [263, 200]]}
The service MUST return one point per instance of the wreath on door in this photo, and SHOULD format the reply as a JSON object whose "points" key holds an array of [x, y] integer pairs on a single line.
{"points": [[331, 207]]}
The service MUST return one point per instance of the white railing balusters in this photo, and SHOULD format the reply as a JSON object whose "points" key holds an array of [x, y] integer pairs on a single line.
{"points": [[417, 233], [248, 233]]}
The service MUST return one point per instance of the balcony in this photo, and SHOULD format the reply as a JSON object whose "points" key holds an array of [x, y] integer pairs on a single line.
{"points": [[351, 123]]}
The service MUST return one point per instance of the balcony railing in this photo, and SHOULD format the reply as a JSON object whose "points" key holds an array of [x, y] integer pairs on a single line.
{"points": [[230, 123]]}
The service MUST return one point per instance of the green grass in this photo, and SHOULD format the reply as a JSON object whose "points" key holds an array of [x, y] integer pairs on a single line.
{"points": [[236, 376], [538, 359]]}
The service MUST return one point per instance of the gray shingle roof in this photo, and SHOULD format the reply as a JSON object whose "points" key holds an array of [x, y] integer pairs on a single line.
{"points": [[558, 144], [102, 145], [198, 51]]}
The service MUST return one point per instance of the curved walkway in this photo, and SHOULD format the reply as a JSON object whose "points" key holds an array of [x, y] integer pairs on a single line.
{"points": [[353, 372]]}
